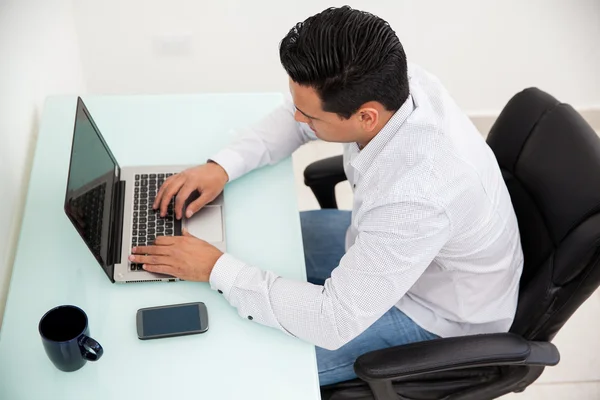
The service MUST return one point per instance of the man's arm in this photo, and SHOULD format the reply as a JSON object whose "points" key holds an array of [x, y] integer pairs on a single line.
{"points": [[273, 138], [396, 243]]}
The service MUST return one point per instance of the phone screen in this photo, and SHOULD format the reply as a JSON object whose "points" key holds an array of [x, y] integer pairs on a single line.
{"points": [[164, 321]]}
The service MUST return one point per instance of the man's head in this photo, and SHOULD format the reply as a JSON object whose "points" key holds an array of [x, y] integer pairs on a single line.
{"points": [[347, 73]]}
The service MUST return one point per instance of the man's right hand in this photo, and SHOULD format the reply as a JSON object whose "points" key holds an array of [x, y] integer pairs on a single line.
{"points": [[208, 179]]}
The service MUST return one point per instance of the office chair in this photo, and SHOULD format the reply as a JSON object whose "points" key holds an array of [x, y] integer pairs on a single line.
{"points": [[550, 160]]}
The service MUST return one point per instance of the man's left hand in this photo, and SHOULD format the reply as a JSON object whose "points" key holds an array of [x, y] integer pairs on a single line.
{"points": [[185, 257]]}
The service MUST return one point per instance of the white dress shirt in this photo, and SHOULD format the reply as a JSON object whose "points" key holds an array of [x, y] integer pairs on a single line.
{"points": [[433, 230]]}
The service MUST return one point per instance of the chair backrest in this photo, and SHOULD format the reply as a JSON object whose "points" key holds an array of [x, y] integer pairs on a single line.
{"points": [[550, 160]]}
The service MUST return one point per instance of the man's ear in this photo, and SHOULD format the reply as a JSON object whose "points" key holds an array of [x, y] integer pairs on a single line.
{"points": [[368, 117]]}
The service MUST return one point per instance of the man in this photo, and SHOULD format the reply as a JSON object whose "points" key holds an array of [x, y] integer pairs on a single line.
{"points": [[431, 248]]}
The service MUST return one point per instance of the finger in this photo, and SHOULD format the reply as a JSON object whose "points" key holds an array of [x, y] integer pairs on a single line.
{"points": [[182, 196], [159, 250], [165, 241], [161, 191], [186, 233], [163, 195], [171, 191], [159, 269], [150, 259], [197, 204]]}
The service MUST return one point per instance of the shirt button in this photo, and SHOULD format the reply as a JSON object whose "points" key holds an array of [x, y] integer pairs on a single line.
{"points": [[354, 186], [250, 317], [220, 291]]}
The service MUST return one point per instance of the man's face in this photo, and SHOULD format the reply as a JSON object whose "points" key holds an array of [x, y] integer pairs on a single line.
{"points": [[326, 125]]}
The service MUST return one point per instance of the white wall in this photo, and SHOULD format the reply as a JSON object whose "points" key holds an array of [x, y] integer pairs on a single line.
{"points": [[484, 51], [39, 56]]}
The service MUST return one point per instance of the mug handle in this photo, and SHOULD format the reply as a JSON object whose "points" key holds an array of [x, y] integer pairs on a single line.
{"points": [[86, 344]]}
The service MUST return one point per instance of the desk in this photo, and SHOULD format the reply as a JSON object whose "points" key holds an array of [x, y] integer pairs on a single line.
{"points": [[236, 358]]}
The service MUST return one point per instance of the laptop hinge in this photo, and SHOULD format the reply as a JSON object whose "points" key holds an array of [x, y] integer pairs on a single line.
{"points": [[114, 252]]}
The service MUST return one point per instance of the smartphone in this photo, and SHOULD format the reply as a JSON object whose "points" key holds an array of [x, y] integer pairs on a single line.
{"points": [[172, 320]]}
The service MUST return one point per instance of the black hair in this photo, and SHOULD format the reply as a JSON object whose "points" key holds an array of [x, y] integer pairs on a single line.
{"points": [[349, 57]]}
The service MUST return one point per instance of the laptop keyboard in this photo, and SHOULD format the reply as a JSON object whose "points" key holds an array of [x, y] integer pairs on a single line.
{"points": [[147, 223]]}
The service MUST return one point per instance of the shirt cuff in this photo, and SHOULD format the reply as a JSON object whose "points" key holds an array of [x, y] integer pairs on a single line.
{"points": [[232, 163], [254, 305], [224, 274]]}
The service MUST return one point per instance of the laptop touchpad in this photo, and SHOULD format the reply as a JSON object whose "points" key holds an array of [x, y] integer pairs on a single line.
{"points": [[207, 224]]}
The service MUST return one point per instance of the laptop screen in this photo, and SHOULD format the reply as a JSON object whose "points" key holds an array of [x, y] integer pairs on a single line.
{"points": [[93, 173]]}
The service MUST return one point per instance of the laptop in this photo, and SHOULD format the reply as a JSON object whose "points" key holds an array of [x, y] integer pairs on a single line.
{"points": [[111, 207]]}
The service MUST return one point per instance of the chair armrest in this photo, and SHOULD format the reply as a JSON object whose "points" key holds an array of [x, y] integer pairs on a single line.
{"points": [[322, 176], [454, 353], [328, 171]]}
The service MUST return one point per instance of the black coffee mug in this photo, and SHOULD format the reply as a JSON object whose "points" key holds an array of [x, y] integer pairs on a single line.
{"points": [[66, 338]]}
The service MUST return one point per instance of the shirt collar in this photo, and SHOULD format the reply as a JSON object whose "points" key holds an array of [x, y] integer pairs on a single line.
{"points": [[367, 155]]}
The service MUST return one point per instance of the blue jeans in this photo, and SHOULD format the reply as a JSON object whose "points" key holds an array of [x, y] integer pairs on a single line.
{"points": [[323, 233]]}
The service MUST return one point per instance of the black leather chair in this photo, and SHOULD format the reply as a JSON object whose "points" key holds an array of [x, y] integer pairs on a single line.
{"points": [[550, 160]]}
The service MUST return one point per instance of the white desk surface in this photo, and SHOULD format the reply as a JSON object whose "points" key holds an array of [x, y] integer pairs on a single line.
{"points": [[236, 358]]}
